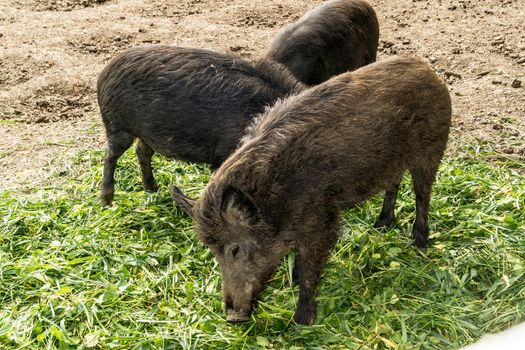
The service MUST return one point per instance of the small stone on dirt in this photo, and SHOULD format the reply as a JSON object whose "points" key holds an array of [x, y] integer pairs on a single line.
{"points": [[452, 74], [499, 40], [482, 74], [497, 81], [516, 83], [387, 44], [497, 126], [452, 7]]}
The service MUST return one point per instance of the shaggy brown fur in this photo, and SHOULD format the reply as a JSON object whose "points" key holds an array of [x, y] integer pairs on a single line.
{"points": [[184, 103], [309, 157]]}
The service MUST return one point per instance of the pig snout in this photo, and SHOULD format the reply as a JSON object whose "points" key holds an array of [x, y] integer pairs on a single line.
{"points": [[237, 312], [237, 315], [240, 301]]}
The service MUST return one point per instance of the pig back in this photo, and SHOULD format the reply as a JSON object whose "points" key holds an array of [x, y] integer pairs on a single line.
{"points": [[190, 104], [351, 136]]}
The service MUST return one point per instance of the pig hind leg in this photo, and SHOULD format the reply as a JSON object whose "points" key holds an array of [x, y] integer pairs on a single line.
{"points": [[144, 155], [117, 144], [423, 175]]}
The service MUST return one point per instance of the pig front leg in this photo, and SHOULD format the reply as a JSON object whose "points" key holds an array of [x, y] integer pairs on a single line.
{"points": [[386, 218], [310, 260]]}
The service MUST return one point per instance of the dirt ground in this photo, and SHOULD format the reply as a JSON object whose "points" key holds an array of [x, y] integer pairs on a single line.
{"points": [[51, 52]]}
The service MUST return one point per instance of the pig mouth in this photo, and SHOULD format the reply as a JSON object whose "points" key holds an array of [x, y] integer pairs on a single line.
{"points": [[237, 314], [246, 301]]}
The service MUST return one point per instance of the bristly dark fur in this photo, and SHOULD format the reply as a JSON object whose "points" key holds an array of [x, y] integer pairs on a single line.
{"points": [[314, 154], [335, 37], [189, 104]]}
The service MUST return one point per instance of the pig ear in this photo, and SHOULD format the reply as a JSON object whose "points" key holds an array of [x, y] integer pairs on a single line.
{"points": [[183, 201], [237, 208]]}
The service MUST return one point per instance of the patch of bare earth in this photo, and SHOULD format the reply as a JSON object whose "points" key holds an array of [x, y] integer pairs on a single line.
{"points": [[51, 103], [51, 52], [100, 43], [19, 69], [57, 5]]}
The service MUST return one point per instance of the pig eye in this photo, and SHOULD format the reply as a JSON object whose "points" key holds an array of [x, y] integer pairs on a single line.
{"points": [[234, 250]]}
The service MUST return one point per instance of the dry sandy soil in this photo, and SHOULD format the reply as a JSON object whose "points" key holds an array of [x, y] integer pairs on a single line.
{"points": [[51, 52]]}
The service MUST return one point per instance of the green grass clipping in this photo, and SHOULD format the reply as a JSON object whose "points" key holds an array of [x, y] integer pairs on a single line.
{"points": [[76, 275]]}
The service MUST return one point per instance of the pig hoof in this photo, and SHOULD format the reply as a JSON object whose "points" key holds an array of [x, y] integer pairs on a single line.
{"points": [[304, 318], [421, 244], [420, 237], [383, 222], [150, 187], [107, 199]]}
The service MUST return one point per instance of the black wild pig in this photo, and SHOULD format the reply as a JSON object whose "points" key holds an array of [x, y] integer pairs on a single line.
{"points": [[183, 103], [335, 37], [309, 157]]}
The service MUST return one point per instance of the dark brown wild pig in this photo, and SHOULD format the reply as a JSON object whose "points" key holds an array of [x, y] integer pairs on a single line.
{"points": [[335, 37], [183, 103], [309, 157]]}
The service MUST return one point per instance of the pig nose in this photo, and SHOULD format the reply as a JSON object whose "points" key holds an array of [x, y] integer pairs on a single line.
{"points": [[237, 316]]}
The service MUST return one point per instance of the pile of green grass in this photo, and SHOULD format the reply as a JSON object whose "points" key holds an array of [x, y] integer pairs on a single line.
{"points": [[75, 275]]}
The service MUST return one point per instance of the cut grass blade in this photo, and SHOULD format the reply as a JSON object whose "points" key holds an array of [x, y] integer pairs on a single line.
{"points": [[132, 276]]}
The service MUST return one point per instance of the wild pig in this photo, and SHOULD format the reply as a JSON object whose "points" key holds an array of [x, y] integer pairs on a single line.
{"points": [[309, 157], [183, 103], [338, 36]]}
